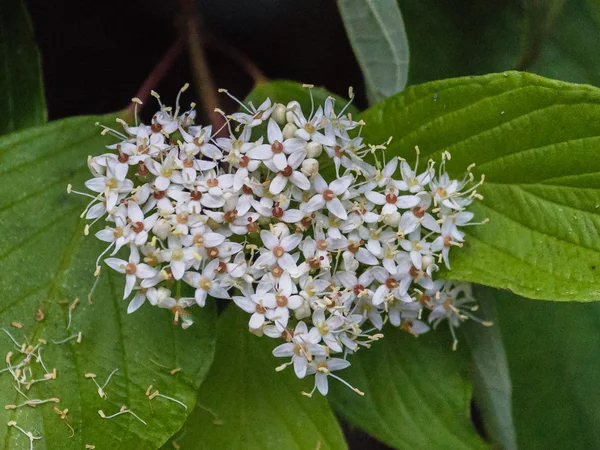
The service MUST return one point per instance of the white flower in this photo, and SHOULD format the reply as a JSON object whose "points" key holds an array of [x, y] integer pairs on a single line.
{"points": [[206, 283], [302, 349], [322, 368], [132, 269], [327, 195], [277, 251]]}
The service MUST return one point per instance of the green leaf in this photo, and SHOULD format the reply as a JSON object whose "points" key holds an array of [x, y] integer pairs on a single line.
{"points": [[552, 354], [536, 141], [46, 263], [417, 392], [256, 407], [23, 103], [492, 390], [376, 31], [283, 91]]}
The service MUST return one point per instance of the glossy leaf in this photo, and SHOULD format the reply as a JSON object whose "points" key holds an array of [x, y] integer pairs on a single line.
{"points": [[46, 263], [23, 103], [376, 31], [552, 353], [256, 407], [536, 141], [417, 392]]}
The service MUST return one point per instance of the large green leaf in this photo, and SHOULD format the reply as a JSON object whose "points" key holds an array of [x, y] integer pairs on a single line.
{"points": [[23, 103], [417, 392], [536, 141], [46, 263], [376, 32], [552, 354], [255, 407]]}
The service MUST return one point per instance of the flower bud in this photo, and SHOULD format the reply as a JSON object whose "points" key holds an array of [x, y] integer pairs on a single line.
{"points": [[427, 261], [289, 130], [279, 114], [303, 312], [281, 230], [310, 167], [161, 228], [314, 149], [392, 220]]}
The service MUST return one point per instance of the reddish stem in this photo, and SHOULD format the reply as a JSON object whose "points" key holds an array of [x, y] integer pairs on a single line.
{"points": [[158, 73]]}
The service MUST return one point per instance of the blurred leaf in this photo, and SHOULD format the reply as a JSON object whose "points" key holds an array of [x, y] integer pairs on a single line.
{"points": [[417, 392], [23, 103], [376, 31], [256, 407], [46, 263], [536, 140], [552, 353], [492, 386]]}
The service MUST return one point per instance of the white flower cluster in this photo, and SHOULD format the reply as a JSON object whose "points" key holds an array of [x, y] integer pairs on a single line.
{"points": [[321, 264]]}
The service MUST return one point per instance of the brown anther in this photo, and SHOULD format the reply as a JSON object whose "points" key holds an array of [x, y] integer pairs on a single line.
{"points": [[247, 190], [322, 245], [419, 211], [414, 272], [391, 198], [156, 127], [196, 195], [277, 212], [391, 283], [244, 161], [447, 241], [354, 246], [118, 232], [358, 289], [230, 216], [188, 163], [277, 147], [212, 182], [159, 194], [138, 227], [277, 271], [306, 222], [328, 194], [260, 309], [278, 252], [198, 240], [339, 151], [130, 269], [212, 252], [281, 300], [287, 172], [123, 158]]}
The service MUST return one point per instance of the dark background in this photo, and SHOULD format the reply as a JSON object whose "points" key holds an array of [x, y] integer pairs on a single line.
{"points": [[97, 54]]}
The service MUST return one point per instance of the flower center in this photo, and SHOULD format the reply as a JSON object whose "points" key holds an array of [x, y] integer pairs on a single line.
{"points": [[278, 251], [188, 163], [391, 198], [277, 271], [358, 289], [199, 240], [281, 300], [118, 232], [212, 182], [328, 194], [287, 172], [205, 284], [130, 269], [419, 211], [260, 309], [309, 128], [339, 151], [277, 212], [230, 216], [159, 194], [391, 283], [123, 158], [196, 195], [138, 227], [212, 252], [112, 183], [244, 160], [277, 147], [142, 170], [441, 192], [177, 255]]}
